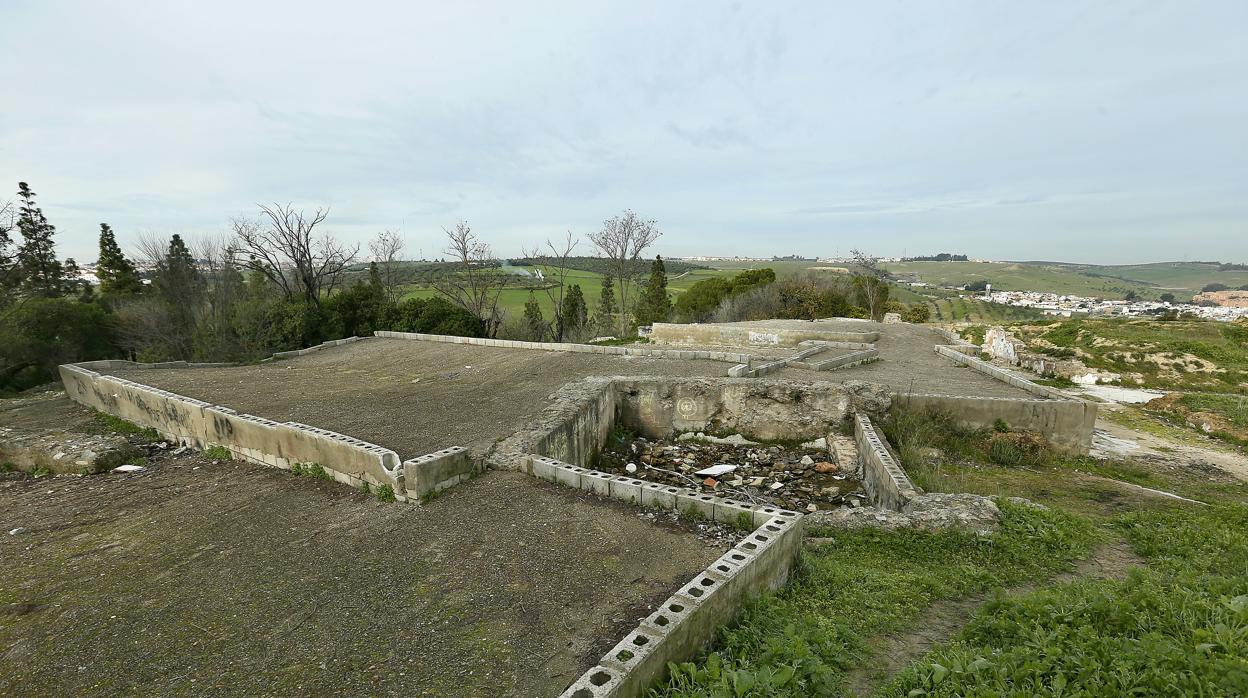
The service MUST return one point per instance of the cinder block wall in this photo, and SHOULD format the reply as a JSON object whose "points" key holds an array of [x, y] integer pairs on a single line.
{"points": [[200, 424]]}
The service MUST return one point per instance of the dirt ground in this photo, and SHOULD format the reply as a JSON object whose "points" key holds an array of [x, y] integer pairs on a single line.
{"points": [[227, 578], [908, 363], [412, 397]]}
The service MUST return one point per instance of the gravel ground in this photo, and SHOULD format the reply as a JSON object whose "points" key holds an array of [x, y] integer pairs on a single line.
{"points": [[199, 578], [412, 397]]}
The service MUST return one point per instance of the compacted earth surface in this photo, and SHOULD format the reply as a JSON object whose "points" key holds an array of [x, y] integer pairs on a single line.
{"points": [[409, 396], [200, 577]]}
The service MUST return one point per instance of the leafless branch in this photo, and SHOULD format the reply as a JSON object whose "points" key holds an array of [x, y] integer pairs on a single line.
{"points": [[622, 240]]}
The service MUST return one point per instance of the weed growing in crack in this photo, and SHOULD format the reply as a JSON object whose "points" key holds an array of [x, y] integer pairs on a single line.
{"points": [[385, 493]]}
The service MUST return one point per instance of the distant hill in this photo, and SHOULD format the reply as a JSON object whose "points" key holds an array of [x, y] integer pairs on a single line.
{"points": [[1183, 279]]}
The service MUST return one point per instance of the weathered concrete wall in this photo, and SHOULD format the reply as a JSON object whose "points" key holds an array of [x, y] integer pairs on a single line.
{"points": [[636, 350], [689, 619], [199, 424], [323, 345], [886, 483], [999, 373], [1066, 424], [437, 471], [694, 333], [763, 409]]}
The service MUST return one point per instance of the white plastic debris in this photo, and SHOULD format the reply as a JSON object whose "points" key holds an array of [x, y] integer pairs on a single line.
{"points": [[17, 530], [129, 468], [631, 467], [716, 470]]}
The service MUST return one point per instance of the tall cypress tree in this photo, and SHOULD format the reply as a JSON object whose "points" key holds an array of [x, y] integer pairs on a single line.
{"points": [[574, 312], [604, 315], [40, 271], [118, 275], [178, 284], [535, 324], [654, 304]]}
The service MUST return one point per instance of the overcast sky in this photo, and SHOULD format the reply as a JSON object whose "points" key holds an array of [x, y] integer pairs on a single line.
{"points": [[1103, 131]]}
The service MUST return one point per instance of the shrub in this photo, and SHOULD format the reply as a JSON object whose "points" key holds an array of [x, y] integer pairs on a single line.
{"points": [[385, 493], [917, 313], [436, 316], [39, 334]]}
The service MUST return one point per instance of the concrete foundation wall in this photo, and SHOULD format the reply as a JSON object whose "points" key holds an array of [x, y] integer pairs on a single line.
{"points": [[688, 620], [886, 483], [693, 333], [1066, 424], [761, 409], [1001, 374], [200, 424]]}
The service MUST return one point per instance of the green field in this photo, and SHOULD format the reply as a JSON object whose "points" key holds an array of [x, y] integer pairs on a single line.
{"points": [[1147, 280], [513, 298]]}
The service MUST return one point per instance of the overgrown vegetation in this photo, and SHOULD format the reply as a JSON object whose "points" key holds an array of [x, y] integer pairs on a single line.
{"points": [[801, 640], [1187, 354], [110, 423], [1178, 627]]}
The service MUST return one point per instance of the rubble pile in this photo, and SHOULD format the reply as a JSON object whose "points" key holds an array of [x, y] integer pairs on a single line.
{"points": [[806, 477]]}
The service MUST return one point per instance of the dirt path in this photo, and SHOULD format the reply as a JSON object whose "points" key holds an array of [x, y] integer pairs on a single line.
{"points": [[1112, 440], [942, 621]]}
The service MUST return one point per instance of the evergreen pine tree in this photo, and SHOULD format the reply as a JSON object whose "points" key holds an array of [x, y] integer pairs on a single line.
{"points": [[654, 305], [535, 325], [40, 271], [604, 315], [178, 284], [118, 275], [574, 312]]}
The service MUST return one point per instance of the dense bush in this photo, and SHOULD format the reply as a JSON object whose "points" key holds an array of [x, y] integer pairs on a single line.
{"points": [[805, 297], [436, 316], [39, 334], [699, 302]]}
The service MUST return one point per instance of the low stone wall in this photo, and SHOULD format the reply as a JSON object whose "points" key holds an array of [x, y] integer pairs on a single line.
{"points": [[688, 620], [999, 373], [694, 333], [1066, 424], [309, 350], [635, 350], [199, 424], [886, 483]]}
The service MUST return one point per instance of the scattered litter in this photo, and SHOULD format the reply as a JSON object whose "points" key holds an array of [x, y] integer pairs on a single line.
{"points": [[776, 485], [17, 530], [129, 468], [180, 450], [631, 467], [711, 482], [715, 470]]}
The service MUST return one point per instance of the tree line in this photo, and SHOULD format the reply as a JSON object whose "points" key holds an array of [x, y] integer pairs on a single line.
{"points": [[278, 281]]}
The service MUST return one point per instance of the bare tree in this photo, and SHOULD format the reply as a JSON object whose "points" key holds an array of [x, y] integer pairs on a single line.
{"points": [[556, 263], [474, 282], [386, 248], [286, 248], [8, 251], [870, 280], [622, 240]]}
